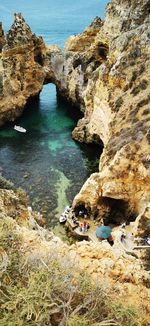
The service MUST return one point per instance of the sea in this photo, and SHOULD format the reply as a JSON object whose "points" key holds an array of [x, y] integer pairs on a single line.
{"points": [[45, 161]]}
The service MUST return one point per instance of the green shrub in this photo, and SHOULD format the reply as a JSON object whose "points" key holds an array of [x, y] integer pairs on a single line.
{"points": [[125, 316], [78, 321], [23, 199], [38, 293], [7, 233]]}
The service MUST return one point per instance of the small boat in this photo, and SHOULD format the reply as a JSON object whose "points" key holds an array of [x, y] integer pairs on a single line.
{"points": [[20, 129], [62, 219]]}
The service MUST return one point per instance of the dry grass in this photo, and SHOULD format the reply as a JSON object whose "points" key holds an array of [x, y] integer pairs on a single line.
{"points": [[42, 293]]}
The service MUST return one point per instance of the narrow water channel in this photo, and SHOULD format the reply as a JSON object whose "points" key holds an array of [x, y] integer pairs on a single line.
{"points": [[46, 161]]}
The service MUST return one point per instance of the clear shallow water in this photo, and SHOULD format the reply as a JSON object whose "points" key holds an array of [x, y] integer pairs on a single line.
{"points": [[45, 161]]}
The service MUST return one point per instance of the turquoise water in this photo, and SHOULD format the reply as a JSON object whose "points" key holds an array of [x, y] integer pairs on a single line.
{"points": [[45, 161]]}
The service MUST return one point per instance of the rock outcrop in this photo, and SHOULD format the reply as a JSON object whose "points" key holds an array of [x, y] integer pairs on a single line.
{"points": [[21, 72], [104, 71], [122, 274], [115, 102]]}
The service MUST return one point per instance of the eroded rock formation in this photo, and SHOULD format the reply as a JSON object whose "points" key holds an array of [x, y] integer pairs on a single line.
{"points": [[21, 72], [104, 71], [116, 101]]}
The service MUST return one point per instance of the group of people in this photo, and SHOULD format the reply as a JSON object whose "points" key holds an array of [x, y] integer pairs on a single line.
{"points": [[82, 212], [84, 226], [104, 231]]}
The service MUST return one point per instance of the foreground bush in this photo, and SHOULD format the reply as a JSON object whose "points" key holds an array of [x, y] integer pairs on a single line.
{"points": [[53, 294]]}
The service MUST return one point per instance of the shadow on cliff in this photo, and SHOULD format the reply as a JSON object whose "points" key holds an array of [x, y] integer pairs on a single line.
{"points": [[117, 211]]}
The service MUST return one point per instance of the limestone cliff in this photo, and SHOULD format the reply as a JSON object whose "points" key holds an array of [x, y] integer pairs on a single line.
{"points": [[106, 71], [21, 72]]}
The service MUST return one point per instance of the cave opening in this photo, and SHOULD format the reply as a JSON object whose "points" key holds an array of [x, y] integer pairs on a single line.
{"points": [[116, 211], [38, 58], [103, 51]]}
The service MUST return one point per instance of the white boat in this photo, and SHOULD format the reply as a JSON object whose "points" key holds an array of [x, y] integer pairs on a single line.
{"points": [[20, 129], [62, 219]]}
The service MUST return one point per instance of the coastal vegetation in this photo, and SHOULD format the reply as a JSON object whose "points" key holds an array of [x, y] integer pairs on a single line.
{"points": [[43, 280], [34, 292]]}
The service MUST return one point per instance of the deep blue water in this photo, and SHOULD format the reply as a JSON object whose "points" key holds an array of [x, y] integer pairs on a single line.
{"points": [[45, 161]]}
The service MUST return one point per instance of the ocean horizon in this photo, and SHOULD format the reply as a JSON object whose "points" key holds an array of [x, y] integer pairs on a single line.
{"points": [[54, 20]]}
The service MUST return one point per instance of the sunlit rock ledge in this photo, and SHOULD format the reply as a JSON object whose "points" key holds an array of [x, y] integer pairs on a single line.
{"points": [[121, 272], [104, 72]]}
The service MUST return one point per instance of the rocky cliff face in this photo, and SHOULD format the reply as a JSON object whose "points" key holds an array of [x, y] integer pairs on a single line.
{"points": [[1, 37], [104, 71], [21, 70], [108, 75]]}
